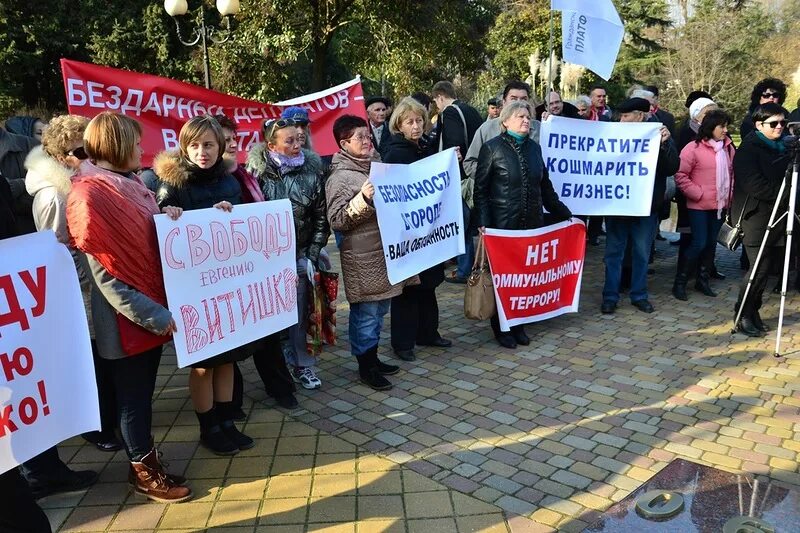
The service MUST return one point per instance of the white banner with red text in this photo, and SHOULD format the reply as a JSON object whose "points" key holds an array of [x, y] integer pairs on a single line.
{"points": [[602, 168], [231, 278], [163, 105], [419, 213], [48, 391], [536, 273]]}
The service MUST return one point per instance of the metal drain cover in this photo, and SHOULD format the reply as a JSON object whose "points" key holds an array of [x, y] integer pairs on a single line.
{"points": [[661, 505]]}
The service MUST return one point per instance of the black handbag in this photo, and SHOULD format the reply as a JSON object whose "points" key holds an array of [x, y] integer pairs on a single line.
{"points": [[731, 236]]}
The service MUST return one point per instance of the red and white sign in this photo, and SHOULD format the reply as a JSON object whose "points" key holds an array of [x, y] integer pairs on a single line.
{"points": [[536, 273], [48, 391], [163, 105], [231, 278]]}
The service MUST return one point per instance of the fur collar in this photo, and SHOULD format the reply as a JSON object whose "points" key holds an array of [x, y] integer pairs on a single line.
{"points": [[168, 168], [45, 171], [259, 166]]}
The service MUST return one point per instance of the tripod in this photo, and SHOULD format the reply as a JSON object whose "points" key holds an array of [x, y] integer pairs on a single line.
{"points": [[791, 217]]}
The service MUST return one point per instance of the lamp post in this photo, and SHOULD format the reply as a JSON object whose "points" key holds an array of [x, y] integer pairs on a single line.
{"points": [[203, 34]]}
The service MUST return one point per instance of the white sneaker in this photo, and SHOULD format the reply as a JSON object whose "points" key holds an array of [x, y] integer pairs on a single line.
{"points": [[306, 377]]}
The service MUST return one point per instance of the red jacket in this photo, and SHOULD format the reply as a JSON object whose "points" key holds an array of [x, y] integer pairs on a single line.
{"points": [[697, 176]]}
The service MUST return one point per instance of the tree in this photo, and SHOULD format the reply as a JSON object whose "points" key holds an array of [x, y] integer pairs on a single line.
{"points": [[726, 68]]}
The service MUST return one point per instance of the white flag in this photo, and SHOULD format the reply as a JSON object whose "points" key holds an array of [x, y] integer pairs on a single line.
{"points": [[591, 34]]}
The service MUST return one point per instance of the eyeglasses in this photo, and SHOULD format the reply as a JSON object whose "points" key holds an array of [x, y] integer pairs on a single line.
{"points": [[272, 125], [78, 153], [360, 138], [770, 95], [775, 123]]}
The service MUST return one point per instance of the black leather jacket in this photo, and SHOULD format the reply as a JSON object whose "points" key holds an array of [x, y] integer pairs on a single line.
{"points": [[512, 186], [305, 188]]}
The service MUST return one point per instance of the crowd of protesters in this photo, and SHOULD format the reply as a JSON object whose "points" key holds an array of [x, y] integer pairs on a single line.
{"points": [[82, 179]]}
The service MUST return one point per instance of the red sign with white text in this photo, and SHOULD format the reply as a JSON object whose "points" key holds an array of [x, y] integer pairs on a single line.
{"points": [[536, 273], [163, 105]]}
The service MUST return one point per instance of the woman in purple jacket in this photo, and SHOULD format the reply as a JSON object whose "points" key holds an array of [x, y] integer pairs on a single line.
{"points": [[706, 180]]}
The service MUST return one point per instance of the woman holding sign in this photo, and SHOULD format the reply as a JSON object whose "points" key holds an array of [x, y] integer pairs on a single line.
{"points": [[352, 212], [512, 187], [415, 312], [197, 177], [110, 219]]}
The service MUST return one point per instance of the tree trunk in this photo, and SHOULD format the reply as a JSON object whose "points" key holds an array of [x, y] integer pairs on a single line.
{"points": [[319, 69]]}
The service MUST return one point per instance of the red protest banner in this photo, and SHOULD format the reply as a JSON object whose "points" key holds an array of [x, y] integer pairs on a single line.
{"points": [[536, 273], [163, 105]]}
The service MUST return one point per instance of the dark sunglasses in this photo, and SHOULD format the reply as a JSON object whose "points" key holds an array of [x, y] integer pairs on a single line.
{"points": [[78, 153], [775, 123], [271, 125], [769, 95]]}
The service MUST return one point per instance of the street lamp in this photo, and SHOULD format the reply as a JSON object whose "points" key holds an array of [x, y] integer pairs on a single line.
{"points": [[203, 34]]}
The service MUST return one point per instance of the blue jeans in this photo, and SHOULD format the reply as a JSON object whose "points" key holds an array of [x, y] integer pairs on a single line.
{"points": [[366, 321], [134, 383], [705, 228], [641, 232], [466, 259]]}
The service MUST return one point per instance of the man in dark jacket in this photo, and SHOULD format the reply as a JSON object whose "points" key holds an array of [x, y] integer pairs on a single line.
{"points": [[456, 127], [663, 116], [640, 231], [377, 111], [13, 151]]}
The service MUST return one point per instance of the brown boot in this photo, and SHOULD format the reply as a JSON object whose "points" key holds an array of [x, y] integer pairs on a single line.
{"points": [[175, 479], [153, 482]]}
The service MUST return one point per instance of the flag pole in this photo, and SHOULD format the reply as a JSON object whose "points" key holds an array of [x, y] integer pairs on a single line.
{"points": [[549, 65]]}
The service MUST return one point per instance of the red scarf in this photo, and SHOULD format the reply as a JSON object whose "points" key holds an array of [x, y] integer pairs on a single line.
{"points": [[110, 217]]}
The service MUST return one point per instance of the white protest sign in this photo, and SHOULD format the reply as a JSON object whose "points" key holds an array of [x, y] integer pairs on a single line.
{"points": [[591, 34], [419, 213], [231, 278], [602, 168], [48, 391]]}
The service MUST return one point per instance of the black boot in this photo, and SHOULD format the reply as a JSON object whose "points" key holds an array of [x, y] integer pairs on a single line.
{"points": [[702, 284], [226, 411], [383, 368], [212, 436], [747, 327], [518, 332], [679, 286], [758, 323], [369, 373]]}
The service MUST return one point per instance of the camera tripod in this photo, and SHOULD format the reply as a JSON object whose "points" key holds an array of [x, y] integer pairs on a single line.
{"points": [[774, 220]]}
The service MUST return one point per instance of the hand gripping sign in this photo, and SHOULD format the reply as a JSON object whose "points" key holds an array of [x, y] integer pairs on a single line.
{"points": [[231, 278], [47, 386], [536, 273]]}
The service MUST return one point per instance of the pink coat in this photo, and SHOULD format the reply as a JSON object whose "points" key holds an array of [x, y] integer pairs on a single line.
{"points": [[697, 176]]}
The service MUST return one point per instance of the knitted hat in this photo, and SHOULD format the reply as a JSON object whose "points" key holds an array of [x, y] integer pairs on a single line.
{"points": [[698, 105]]}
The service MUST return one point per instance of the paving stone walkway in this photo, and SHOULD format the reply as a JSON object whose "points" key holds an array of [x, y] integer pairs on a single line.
{"points": [[480, 438]]}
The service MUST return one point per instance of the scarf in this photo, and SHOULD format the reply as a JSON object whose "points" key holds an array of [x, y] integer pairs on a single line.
{"points": [[723, 175], [249, 184], [596, 112], [199, 174], [694, 125], [777, 146], [518, 137], [287, 163], [110, 217]]}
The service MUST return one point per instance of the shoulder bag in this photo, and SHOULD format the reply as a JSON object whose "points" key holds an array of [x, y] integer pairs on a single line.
{"points": [[479, 302]]}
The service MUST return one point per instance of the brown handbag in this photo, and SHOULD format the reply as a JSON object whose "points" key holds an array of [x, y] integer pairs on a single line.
{"points": [[479, 302]]}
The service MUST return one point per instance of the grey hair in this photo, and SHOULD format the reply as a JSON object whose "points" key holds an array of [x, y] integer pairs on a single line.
{"points": [[583, 99], [509, 110]]}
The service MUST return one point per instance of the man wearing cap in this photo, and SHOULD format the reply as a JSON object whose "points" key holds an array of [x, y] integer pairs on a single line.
{"points": [[663, 116], [377, 107], [492, 108], [640, 231]]}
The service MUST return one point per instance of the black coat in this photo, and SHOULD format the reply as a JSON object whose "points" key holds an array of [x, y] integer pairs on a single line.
{"points": [[179, 187], [747, 126], [667, 119], [8, 226], [404, 152], [512, 186], [759, 171], [304, 187], [669, 161], [385, 140], [13, 151], [450, 128]]}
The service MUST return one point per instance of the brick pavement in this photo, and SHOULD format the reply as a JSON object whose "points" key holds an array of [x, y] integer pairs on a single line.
{"points": [[540, 438]]}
